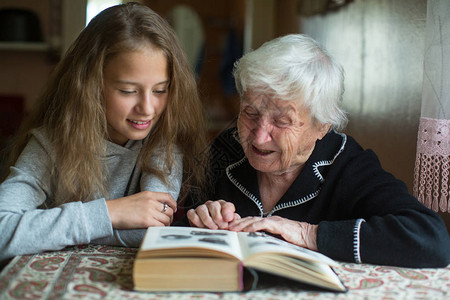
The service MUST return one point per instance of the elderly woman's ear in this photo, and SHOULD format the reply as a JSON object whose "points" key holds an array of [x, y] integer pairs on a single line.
{"points": [[323, 130]]}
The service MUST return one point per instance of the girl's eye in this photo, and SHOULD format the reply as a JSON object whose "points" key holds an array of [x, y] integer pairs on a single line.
{"points": [[127, 92], [160, 91]]}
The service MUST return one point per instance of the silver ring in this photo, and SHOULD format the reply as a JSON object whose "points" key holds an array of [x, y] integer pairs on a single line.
{"points": [[165, 207]]}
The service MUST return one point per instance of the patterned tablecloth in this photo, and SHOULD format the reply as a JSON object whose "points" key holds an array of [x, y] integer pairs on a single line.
{"points": [[99, 272]]}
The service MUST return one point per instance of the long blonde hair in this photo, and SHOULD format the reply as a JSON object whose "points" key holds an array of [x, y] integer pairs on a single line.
{"points": [[71, 109]]}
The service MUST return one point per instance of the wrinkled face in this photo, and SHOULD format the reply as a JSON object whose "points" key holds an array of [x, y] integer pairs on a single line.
{"points": [[277, 135], [135, 92]]}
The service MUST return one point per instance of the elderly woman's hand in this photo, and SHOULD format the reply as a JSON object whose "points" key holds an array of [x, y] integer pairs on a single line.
{"points": [[213, 215], [299, 233]]}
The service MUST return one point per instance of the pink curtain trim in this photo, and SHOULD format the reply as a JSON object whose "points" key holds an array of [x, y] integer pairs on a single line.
{"points": [[431, 172]]}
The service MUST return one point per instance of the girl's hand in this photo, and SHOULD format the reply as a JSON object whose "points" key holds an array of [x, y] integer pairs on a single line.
{"points": [[299, 233], [213, 215], [142, 210]]}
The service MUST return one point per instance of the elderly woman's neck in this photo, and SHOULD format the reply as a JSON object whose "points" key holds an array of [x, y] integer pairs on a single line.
{"points": [[272, 186], [277, 178]]}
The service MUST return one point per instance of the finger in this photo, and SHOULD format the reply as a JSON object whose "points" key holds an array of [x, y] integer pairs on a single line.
{"points": [[194, 219], [227, 211], [204, 214], [215, 212], [161, 212], [259, 225], [166, 209], [167, 198], [265, 224], [156, 219], [165, 217], [236, 222], [236, 218], [172, 203], [170, 213], [244, 223]]}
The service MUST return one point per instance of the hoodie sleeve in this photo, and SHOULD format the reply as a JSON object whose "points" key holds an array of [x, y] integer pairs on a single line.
{"points": [[150, 182], [383, 223], [28, 229]]}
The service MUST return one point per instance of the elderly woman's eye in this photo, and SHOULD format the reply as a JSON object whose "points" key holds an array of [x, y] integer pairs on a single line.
{"points": [[282, 122], [251, 114]]}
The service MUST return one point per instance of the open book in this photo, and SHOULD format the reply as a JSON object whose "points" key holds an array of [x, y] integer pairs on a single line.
{"points": [[195, 259]]}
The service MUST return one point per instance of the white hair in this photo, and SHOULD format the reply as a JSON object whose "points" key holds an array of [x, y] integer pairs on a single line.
{"points": [[295, 67]]}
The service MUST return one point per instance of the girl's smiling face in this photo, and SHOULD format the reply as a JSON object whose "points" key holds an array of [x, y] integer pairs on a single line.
{"points": [[135, 92], [277, 136]]}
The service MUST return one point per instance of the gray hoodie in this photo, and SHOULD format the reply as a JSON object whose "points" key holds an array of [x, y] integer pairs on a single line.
{"points": [[25, 228]]}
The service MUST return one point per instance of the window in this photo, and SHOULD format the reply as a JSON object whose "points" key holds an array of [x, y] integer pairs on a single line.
{"points": [[95, 6]]}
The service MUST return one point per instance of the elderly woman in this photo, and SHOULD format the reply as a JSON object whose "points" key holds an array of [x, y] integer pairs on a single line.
{"points": [[288, 171]]}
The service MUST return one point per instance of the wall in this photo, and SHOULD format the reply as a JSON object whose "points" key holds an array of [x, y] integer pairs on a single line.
{"points": [[24, 71], [380, 44], [267, 19], [222, 20]]}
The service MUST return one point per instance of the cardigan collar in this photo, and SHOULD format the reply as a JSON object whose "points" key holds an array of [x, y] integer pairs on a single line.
{"points": [[307, 184]]}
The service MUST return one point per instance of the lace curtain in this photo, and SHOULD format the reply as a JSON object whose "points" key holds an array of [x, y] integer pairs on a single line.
{"points": [[431, 176]]}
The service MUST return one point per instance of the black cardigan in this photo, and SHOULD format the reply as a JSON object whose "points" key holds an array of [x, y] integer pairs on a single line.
{"points": [[364, 213]]}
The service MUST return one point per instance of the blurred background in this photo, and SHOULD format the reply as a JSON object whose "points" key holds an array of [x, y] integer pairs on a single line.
{"points": [[379, 42]]}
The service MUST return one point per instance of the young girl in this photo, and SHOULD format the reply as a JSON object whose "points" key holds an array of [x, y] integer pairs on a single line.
{"points": [[116, 132]]}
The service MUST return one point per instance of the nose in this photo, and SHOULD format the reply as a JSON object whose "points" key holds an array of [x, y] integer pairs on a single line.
{"points": [[262, 132], [146, 104]]}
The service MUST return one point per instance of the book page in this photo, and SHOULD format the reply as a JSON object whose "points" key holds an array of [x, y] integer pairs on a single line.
{"points": [[260, 242], [190, 238]]}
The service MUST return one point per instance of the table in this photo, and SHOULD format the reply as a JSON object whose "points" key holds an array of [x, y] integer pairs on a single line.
{"points": [[105, 272]]}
